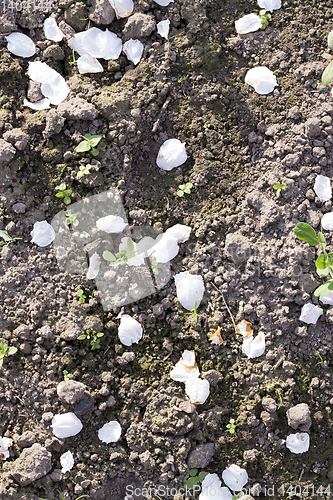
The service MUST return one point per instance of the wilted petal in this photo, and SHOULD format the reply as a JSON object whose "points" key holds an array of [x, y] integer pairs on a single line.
{"points": [[42, 234], [94, 264], [327, 221], [310, 313], [110, 432], [66, 425], [51, 30], [322, 188], [42, 104], [298, 443], [190, 289], [254, 347], [5, 443], [261, 79], [235, 477], [66, 461], [20, 45], [133, 50], [129, 331], [248, 24], [197, 390], [111, 224], [186, 368], [163, 28], [122, 8], [171, 154], [88, 64], [269, 5]]}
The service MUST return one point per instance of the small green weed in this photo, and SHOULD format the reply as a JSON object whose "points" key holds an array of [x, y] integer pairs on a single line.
{"points": [[96, 338], [5, 350], [84, 234], [321, 359], [182, 79], [71, 218], [194, 479], [184, 188], [121, 258], [280, 398], [64, 193], [241, 306], [232, 426], [82, 297], [90, 142], [265, 18], [194, 313], [84, 170], [66, 377], [278, 188]]}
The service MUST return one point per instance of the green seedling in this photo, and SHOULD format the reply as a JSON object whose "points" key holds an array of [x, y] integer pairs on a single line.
{"points": [[321, 359], [63, 168], [90, 142], [154, 267], [66, 377], [82, 297], [71, 218], [7, 240], [239, 495], [327, 75], [280, 398], [74, 60], [265, 18], [95, 342], [278, 188], [184, 188], [194, 313], [182, 79], [232, 426], [64, 193], [324, 262], [84, 170], [241, 306], [121, 258], [84, 234], [5, 350], [194, 479], [122, 411]]}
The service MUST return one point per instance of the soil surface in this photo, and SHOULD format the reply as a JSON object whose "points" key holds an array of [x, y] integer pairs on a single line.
{"points": [[239, 145]]}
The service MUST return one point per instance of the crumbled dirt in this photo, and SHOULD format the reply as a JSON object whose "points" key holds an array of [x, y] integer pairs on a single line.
{"points": [[239, 144]]}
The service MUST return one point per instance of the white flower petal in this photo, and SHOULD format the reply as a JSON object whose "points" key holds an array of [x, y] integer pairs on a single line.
{"points": [[186, 368], [163, 3], [211, 489], [328, 299], [197, 390], [248, 24], [41, 72], [322, 188], [94, 265], [42, 104], [310, 313], [133, 50], [111, 224], [20, 45], [180, 232], [190, 289], [51, 30], [261, 79], [163, 28], [269, 5], [298, 443], [88, 64], [66, 425], [327, 221], [129, 331], [5, 443], [171, 154], [110, 432], [57, 91], [66, 461], [254, 347], [42, 234], [101, 44], [235, 477], [75, 43], [123, 8], [165, 249]]}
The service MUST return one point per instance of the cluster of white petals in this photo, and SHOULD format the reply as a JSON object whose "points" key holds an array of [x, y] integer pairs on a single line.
{"points": [[42, 234], [110, 432], [111, 224], [171, 154], [298, 443], [53, 84], [190, 289], [248, 24], [20, 45], [261, 79], [129, 331], [66, 425], [235, 477], [310, 313], [163, 28], [66, 461], [322, 188], [187, 372]]}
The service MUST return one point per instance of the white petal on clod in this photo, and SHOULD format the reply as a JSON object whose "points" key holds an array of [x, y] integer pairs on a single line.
{"points": [[111, 224], [5, 443], [211, 489], [269, 5], [298, 443], [101, 44], [42, 104], [133, 50], [51, 30], [322, 188], [190, 289], [235, 477], [327, 221], [66, 461], [310, 313], [171, 154], [163, 3], [94, 265], [42, 234], [254, 347], [328, 299], [261, 79], [248, 24], [197, 390], [57, 91], [110, 432], [66, 425], [129, 331], [88, 64], [180, 232], [41, 72], [186, 368], [20, 45], [122, 8], [163, 28]]}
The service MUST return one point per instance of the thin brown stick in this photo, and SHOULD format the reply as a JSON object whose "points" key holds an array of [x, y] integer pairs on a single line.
{"points": [[226, 305]]}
